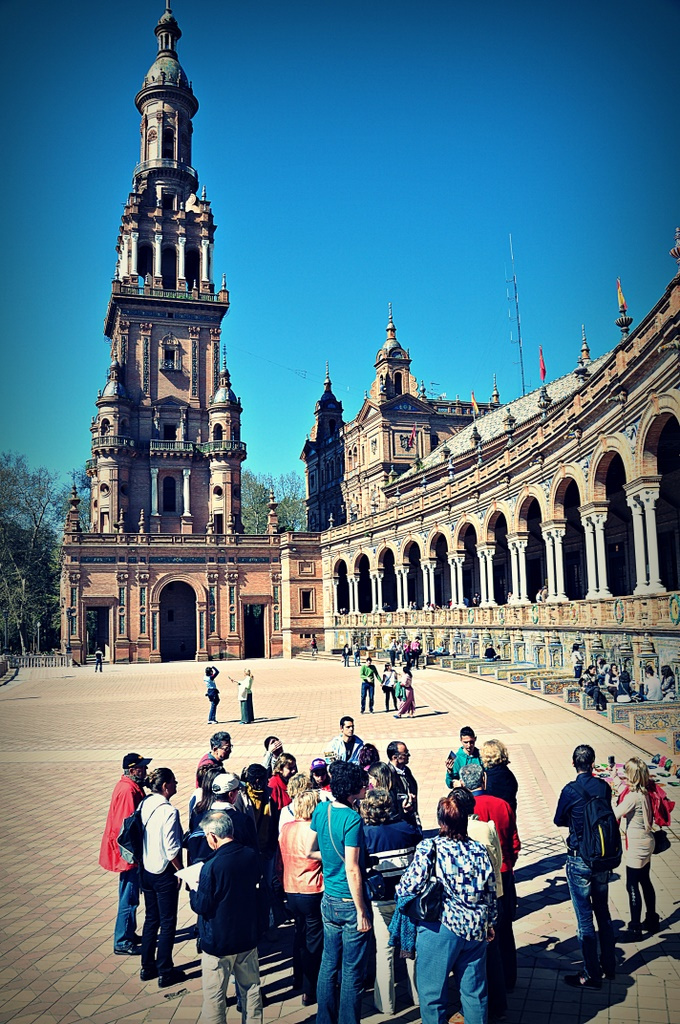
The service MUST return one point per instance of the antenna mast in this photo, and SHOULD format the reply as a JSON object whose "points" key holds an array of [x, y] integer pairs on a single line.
{"points": [[513, 281]]}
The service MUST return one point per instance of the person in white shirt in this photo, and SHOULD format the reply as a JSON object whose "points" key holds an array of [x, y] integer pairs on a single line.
{"points": [[161, 858], [652, 684], [245, 696]]}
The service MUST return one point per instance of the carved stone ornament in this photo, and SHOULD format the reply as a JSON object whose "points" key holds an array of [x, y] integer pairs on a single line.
{"points": [[194, 332], [142, 577], [232, 577], [122, 577], [146, 328], [213, 578]]}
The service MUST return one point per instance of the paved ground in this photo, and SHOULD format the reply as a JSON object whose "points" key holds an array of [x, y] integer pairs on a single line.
{"points": [[62, 736]]}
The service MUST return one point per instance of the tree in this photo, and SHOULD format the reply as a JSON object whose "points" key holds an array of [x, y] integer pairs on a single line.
{"points": [[289, 492], [31, 518]]}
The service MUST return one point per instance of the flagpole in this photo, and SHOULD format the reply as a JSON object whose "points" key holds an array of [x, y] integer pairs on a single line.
{"points": [[519, 326]]}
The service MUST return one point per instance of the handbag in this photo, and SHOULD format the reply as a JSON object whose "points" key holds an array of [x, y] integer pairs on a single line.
{"points": [[661, 841], [427, 904]]}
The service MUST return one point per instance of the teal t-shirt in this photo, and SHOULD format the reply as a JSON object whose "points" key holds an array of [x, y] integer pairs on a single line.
{"points": [[346, 826]]}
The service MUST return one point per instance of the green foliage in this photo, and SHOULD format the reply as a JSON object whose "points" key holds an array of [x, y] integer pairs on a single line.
{"points": [[32, 506], [289, 492]]}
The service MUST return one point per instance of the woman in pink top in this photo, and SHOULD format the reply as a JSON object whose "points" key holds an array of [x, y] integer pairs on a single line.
{"points": [[303, 885]]}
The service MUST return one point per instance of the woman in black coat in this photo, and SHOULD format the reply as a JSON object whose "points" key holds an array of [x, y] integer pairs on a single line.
{"points": [[500, 780]]}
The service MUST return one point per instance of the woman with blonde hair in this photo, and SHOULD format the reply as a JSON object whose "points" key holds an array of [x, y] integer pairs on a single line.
{"points": [[298, 783], [303, 885], [634, 811], [500, 780]]}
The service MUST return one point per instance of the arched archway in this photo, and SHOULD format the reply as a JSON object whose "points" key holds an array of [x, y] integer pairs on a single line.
{"points": [[535, 554], [501, 567], [414, 576], [574, 544], [343, 587], [468, 539], [177, 622], [389, 582], [668, 505], [618, 531], [364, 596], [442, 572]]}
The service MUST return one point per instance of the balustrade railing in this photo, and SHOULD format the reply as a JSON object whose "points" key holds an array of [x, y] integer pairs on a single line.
{"points": [[171, 446], [113, 441], [221, 446]]}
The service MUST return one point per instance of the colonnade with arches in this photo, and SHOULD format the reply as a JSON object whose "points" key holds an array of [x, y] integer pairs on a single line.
{"points": [[607, 525]]}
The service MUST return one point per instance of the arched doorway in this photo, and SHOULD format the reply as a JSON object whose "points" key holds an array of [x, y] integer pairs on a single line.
{"points": [[253, 630], [668, 505], [343, 588], [365, 597], [442, 572], [501, 560], [618, 532], [468, 539], [574, 545], [536, 563], [177, 622], [414, 578], [389, 583]]}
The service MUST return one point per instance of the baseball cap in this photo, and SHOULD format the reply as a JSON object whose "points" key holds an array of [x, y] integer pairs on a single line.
{"points": [[134, 760], [227, 782], [317, 764]]}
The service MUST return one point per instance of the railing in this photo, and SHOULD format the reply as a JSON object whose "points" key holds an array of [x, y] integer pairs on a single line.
{"points": [[221, 446], [164, 293], [165, 162], [171, 446], [40, 660], [113, 441], [90, 464]]}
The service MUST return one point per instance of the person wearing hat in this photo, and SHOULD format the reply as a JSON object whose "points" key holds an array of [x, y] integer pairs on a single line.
{"points": [[321, 780], [126, 797], [224, 792]]}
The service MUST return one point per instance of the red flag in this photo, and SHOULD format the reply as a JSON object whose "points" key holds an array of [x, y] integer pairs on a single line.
{"points": [[541, 363], [475, 407], [412, 438], [622, 302]]}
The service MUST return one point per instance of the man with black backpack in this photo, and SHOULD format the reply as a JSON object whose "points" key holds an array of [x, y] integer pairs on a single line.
{"points": [[594, 849]]}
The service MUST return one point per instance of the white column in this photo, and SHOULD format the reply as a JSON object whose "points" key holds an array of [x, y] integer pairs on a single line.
{"points": [[490, 599], [123, 266], [459, 575], [379, 589], [180, 256], [211, 252], [558, 536], [335, 596], [186, 492], [641, 584], [401, 604], [483, 592], [550, 562], [603, 588], [157, 241], [426, 583], [154, 491], [522, 565], [134, 237], [204, 259], [649, 499], [591, 568]]}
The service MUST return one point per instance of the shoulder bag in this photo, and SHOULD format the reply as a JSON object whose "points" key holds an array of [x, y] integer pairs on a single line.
{"points": [[427, 904]]}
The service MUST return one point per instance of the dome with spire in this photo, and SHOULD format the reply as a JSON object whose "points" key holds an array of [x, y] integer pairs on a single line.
{"points": [[224, 393], [114, 386], [166, 69], [327, 399], [391, 347]]}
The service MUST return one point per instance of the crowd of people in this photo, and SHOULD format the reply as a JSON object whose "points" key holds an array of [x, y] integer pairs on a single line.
{"points": [[604, 681], [337, 848]]}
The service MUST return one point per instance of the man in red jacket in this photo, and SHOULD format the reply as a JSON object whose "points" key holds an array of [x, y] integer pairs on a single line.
{"points": [[125, 799], [492, 808]]}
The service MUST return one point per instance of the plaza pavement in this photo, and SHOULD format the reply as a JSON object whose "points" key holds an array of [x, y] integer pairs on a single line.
{"points": [[62, 736]]}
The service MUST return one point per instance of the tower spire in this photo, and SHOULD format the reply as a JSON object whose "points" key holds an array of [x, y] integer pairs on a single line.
{"points": [[327, 379], [585, 350]]}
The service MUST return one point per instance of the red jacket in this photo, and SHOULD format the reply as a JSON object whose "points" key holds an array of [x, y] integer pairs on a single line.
{"points": [[125, 799], [279, 792], [492, 808]]}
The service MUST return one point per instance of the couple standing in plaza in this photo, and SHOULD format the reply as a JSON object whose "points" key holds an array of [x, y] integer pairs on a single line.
{"points": [[245, 694], [393, 688]]}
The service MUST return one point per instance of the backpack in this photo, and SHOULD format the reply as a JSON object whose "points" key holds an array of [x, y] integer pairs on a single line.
{"points": [[600, 844], [131, 836]]}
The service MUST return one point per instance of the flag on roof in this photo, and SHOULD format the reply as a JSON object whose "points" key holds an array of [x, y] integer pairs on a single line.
{"points": [[622, 302], [475, 407], [412, 438], [541, 363]]}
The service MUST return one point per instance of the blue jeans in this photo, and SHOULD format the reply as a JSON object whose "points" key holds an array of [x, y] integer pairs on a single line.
{"points": [[128, 901], [161, 896], [367, 690], [342, 964], [438, 952], [589, 893]]}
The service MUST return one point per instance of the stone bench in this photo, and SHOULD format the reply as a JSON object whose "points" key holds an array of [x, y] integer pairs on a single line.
{"points": [[554, 687], [659, 716], [619, 714], [572, 694]]}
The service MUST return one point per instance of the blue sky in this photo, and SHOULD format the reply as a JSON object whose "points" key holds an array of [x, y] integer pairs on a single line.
{"points": [[356, 152]]}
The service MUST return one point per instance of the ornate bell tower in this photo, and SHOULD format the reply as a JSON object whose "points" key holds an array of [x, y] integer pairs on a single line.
{"points": [[153, 441]]}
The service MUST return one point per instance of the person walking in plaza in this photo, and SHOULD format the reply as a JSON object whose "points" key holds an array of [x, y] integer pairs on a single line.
{"points": [[368, 675], [161, 858], [457, 941], [314, 647], [392, 650], [211, 692], [347, 918], [98, 659], [303, 885], [390, 844], [357, 655], [226, 903], [416, 651], [408, 701], [245, 696], [346, 653], [634, 811], [389, 682], [346, 746], [588, 885], [126, 797]]}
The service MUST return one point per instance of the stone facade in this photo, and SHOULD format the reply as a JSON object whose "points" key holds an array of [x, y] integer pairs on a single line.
{"points": [[166, 571]]}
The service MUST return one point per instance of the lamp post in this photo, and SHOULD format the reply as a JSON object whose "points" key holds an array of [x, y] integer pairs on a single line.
{"points": [[5, 615], [70, 615]]}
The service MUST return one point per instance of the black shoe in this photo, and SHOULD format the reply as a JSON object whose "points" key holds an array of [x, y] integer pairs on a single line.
{"points": [[172, 977], [148, 973], [126, 951], [631, 934], [651, 923], [136, 940], [581, 981]]}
